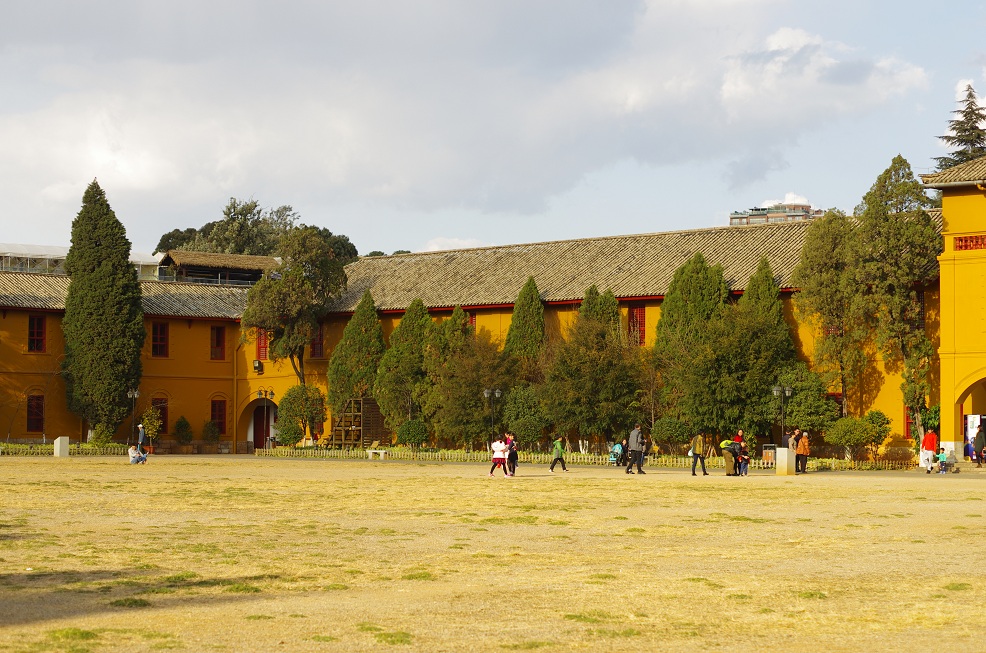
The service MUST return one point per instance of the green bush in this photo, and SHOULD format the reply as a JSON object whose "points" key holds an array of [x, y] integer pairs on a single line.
{"points": [[854, 435], [183, 431], [102, 435], [210, 432], [412, 432], [670, 431]]}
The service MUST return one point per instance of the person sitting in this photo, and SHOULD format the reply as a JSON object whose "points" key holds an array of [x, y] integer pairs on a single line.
{"points": [[136, 458]]}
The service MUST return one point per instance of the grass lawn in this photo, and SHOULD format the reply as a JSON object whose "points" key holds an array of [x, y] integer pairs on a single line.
{"points": [[234, 553]]}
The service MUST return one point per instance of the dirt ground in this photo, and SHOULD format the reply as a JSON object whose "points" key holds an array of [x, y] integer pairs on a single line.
{"points": [[234, 553]]}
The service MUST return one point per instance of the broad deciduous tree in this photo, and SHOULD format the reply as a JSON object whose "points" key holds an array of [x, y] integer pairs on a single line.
{"points": [[289, 302], [104, 321], [301, 410]]}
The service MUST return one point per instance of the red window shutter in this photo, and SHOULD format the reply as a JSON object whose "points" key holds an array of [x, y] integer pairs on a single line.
{"points": [[261, 345], [318, 341], [217, 344], [159, 339], [637, 324], [218, 413], [36, 413], [36, 333]]}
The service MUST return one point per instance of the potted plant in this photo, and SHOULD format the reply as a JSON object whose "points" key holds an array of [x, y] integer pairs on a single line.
{"points": [[210, 434], [151, 420], [183, 434]]}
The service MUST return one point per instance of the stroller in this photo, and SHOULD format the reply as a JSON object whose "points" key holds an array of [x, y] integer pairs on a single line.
{"points": [[616, 454]]}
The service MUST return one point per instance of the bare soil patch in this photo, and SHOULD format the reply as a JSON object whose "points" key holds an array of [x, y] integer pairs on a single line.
{"points": [[231, 553]]}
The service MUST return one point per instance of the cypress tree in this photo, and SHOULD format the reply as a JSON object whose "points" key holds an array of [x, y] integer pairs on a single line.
{"points": [[354, 362], [401, 373], [104, 321], [525, 337], [525, 342], [696, 294]]}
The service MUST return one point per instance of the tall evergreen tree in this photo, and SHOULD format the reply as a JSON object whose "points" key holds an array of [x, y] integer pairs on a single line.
{"points": [[289, 303], [601, 307], [591, 383], [104, 321], [900, 246], [765, 347], [401, 373], [829, 299], [355, 360], [692, 307], [966, 134], [525, 338]]}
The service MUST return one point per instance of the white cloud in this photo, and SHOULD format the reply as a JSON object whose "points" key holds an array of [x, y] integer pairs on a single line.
{"points": [[789, 198]]}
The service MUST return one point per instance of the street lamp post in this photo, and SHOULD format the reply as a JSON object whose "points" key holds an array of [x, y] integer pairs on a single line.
{"points": [[492, 394], [266, 394], [784, 394], [132, 395]]}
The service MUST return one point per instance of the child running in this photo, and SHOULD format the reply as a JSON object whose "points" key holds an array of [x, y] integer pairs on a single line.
{"points": [[499, 457]]}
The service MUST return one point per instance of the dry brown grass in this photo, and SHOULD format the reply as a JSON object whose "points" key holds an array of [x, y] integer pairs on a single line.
{"points": [[242, 554]]}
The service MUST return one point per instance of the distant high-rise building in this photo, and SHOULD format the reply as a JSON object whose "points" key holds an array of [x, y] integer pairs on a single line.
{"points": [[775, 213]]}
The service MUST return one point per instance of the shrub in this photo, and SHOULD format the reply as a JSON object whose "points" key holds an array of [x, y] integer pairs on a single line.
{"points": [[101, 435], [210, 432], [151, 420], [670, 431], [412, 432], [183, 431], [302, 409], [854, 435]]}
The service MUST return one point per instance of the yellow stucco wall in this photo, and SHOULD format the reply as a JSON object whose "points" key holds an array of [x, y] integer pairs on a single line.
{"points": [[963, 312]]}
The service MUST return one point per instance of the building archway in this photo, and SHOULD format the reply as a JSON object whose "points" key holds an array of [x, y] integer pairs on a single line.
{"points": [[260, 418], [970, 407]]}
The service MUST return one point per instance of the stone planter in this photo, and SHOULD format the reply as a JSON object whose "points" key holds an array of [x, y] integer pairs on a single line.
{"points": [[209, 448], [184, 449]]}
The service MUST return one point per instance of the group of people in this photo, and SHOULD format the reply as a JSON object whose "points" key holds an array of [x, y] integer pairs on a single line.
{"points": [[136, 451], [505, 454], [736, 453]]}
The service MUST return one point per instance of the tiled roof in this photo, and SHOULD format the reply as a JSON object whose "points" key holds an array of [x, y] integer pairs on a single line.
{"points": [[48, 292], [225, 261], [632, 266], [969, 173]]}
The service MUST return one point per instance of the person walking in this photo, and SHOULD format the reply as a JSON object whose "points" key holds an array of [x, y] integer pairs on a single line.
{"points": [[558, 455], [698, 453], [929, 445], [499, 457], [979, 444], [511, 453], [801, 454], [635, 441]]}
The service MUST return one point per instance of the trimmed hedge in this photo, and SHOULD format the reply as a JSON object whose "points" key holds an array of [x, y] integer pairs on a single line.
{"points": [[76, 449]]}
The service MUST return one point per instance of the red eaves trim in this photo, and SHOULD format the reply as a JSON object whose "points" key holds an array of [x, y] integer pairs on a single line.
{"points": [[59, 311]]}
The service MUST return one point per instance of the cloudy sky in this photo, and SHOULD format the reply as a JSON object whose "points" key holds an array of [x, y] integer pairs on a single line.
{"points": [[437, 123]]}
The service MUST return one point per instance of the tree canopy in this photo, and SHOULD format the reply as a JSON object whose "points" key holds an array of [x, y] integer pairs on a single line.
{"points": [[290, 302], [104, 321]]}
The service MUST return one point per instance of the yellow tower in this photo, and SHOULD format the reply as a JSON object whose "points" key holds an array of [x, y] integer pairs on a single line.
{"points": [[963, 298]]}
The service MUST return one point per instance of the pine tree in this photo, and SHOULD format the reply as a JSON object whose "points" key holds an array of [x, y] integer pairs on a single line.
{"points": [[829, 299], [104, 321], [899, 249], [967, 136], [398, 385], [354, 362]]}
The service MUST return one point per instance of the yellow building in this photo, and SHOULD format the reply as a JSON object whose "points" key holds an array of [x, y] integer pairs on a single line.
{"points": [[962, 378], [198, 364]]}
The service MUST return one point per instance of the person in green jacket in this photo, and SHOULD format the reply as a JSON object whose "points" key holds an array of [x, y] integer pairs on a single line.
{"points": [[558, 454]]}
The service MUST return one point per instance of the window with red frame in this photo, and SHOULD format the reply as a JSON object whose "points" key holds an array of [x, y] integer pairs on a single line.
{"points": [[318, 343], [159, 339], [637, 324], [36, 413], [217, 343], [36, 336], [261, 345], [472, 320], [218, 413], [908, 422], [162, 407]]}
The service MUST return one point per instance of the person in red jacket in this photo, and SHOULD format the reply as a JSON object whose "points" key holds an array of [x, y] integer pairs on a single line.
{"points": [[929, 445]]}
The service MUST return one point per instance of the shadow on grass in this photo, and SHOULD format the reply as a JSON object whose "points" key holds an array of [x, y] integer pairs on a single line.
{"points": [[36, 597]]}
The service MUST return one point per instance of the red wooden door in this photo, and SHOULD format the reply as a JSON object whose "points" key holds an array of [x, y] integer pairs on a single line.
{"points": [[261, 426]]}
